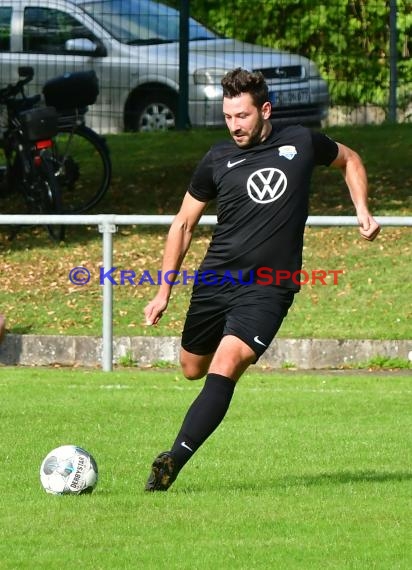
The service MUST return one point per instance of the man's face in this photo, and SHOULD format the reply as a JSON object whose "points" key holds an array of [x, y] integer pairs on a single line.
{"points": [[246, 123]]}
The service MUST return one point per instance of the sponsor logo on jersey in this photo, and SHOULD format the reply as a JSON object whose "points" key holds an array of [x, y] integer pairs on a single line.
{"points": [[266, 185], [288, 151], [257, 339], [232, 164]]}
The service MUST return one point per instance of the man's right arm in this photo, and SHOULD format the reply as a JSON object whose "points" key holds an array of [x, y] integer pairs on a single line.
{"points": [[176, 247]]}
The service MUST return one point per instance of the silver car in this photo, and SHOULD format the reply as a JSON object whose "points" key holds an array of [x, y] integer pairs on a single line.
{"points": [[133, 46]]}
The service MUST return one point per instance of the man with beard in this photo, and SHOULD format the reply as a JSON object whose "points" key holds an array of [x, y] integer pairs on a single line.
{"points": [[260, 180]]}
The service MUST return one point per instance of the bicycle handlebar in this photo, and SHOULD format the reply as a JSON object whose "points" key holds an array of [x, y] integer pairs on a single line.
{"points": [[14, 89]]}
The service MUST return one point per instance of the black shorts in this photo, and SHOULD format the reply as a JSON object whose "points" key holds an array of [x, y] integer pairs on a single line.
{"points": [[252, 313]]}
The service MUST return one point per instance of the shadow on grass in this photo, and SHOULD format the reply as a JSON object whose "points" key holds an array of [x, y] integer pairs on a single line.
{"points": [[338, 478], [36, 237], [344, 477]]}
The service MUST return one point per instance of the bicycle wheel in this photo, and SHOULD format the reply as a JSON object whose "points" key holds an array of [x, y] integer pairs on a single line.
{"points": [[82, 168], [48, 194]]}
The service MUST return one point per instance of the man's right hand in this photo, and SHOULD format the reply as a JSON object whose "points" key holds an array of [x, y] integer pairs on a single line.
{"points": [[154, 310]]}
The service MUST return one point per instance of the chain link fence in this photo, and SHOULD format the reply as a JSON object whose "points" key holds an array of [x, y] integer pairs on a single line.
{"points": [[159, 65], [361, 47]]}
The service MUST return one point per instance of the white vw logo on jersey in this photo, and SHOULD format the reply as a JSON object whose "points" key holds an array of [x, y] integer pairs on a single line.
{"points": [[266, 185]]}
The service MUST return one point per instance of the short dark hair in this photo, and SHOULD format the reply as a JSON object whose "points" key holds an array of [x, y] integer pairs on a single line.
{"points": [[240, 81]]}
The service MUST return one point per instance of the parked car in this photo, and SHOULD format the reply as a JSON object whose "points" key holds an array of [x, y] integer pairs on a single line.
{"points": [[133, 46]]}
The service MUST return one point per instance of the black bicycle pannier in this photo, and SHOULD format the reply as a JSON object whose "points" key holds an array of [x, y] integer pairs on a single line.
{"points": [[72, 90], [38, 124]]}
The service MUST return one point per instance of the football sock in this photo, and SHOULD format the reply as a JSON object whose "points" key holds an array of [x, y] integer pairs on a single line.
{"points": [[203, 417]]}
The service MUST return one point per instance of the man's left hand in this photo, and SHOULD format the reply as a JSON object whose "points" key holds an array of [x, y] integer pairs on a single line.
{"points": [[368, 226]]}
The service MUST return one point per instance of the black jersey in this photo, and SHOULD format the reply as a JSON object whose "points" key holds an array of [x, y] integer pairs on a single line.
{"points": [[262, 197]]}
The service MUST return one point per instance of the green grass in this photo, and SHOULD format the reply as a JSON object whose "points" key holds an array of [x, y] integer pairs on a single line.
{"points": [[371, 299], [305, 472], [386, 363], [151, 173], [151, 170]]}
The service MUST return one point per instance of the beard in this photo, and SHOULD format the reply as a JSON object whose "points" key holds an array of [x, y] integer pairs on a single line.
{"points": [[253, 138]]}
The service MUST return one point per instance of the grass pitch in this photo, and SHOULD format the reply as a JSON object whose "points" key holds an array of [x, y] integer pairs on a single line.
{"points": [[305, 472]]}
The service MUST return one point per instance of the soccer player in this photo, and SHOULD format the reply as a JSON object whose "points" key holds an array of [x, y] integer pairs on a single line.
{"points": [[260, 180]]}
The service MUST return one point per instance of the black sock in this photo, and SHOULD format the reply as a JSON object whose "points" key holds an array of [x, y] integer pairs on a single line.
{"points": [[203, 417]]}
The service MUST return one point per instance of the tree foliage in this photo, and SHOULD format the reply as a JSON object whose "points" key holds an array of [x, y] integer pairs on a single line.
{"points": [[348, 39]]}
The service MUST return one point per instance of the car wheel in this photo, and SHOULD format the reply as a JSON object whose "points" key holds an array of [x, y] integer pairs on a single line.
{"points": [[154, 111]]}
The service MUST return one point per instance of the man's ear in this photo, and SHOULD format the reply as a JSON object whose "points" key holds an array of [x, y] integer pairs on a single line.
{"points": [[267, 110]]}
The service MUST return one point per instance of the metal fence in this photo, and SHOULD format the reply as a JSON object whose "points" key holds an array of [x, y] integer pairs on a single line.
{"points": [[362, 47], [107, 225], [158, 68]]}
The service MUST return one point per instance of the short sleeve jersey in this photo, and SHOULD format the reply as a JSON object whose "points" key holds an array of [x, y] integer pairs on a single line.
{"points": [[262, 195]]}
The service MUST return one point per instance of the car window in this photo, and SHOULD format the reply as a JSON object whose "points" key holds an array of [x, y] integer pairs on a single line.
{"points": [[141, 21], [5, 19], [46, 30]]}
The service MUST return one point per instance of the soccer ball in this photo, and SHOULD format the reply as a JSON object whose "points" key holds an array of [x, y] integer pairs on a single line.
{"points": [[68, 470]]}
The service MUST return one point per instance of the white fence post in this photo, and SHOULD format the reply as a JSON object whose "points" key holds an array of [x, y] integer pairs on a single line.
{"points": [[107, 229]]}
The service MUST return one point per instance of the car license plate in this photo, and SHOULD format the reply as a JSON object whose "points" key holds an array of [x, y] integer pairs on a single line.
{"points": [[292, 97]]}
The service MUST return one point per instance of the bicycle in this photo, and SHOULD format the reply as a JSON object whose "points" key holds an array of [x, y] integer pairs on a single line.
{"points": [[29, 170], [77, 169], [82, 160]]}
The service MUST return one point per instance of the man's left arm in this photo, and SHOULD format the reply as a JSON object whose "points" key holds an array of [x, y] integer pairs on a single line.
{"points": [[354, 173]]}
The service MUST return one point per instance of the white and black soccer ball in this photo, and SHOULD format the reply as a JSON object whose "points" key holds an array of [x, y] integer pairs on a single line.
{"points": [[68, 470]]}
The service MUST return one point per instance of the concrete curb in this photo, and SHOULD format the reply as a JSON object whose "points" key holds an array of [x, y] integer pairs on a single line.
{"points": [[46, 350]]}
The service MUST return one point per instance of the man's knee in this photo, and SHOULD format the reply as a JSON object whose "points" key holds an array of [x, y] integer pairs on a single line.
{"points": [[193, 366], [191, 373], [232, 358]]}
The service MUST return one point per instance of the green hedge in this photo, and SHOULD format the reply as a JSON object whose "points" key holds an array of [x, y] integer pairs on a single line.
{"points": [[349, 40]]}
